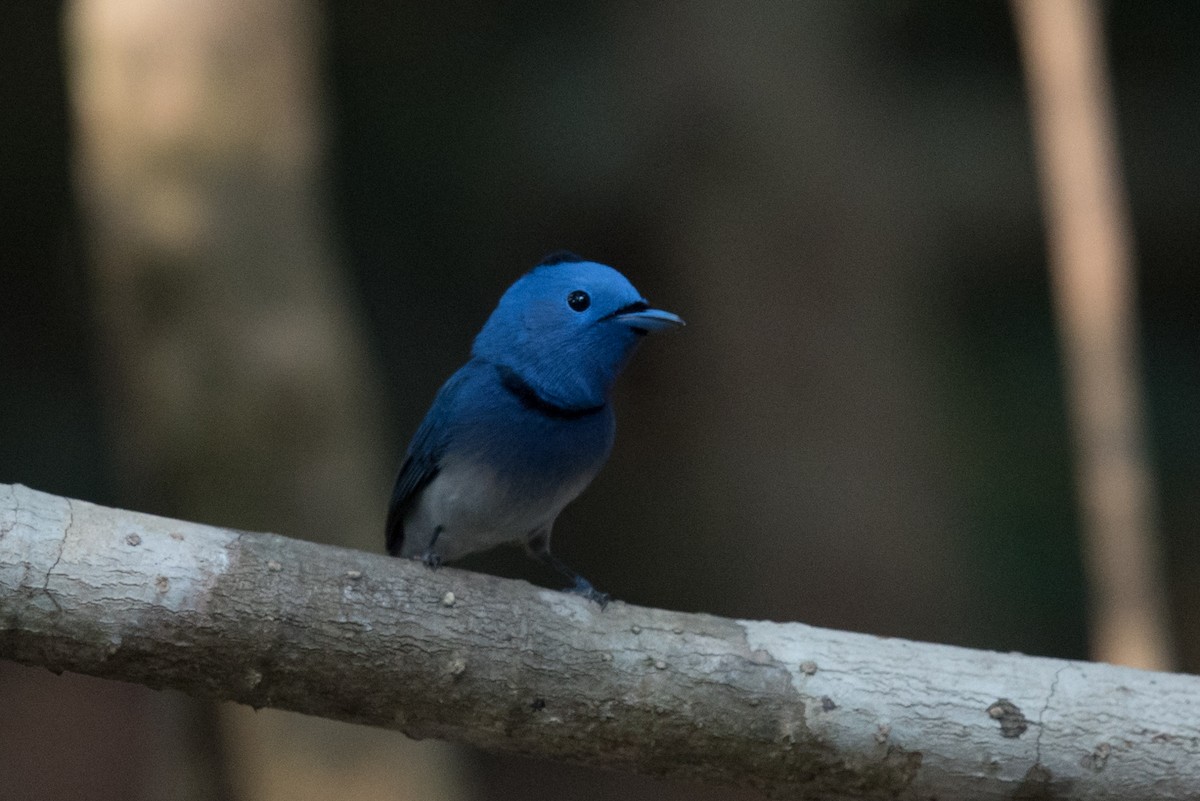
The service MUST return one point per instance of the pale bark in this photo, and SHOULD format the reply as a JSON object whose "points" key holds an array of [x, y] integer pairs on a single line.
{"points": [[789, 709]]}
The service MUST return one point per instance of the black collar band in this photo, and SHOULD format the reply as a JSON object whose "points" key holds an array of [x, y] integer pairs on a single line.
{"points": [[530, 399]]}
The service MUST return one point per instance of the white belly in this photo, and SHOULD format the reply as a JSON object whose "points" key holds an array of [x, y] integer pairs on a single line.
{"points": [[476, 509]]}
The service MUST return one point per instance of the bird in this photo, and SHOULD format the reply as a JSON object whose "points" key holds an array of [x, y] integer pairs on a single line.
{"points": [[523, 427]]}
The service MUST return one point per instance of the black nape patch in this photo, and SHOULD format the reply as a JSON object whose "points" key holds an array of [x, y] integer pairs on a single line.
{"points": [[559, 257]]}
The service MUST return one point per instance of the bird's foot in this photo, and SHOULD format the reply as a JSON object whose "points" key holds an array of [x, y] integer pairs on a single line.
{"points": [[584, 587], [431, 558]]}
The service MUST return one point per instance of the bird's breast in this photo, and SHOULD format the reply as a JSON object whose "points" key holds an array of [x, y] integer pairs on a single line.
{"points": [[506, 473], [475, 507], [525, 445]]}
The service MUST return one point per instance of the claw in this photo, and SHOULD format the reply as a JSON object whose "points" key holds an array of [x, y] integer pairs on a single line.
{"points": [[584, 587], [431, 558]]}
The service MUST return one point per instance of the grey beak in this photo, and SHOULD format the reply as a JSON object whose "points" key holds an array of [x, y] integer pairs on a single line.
{"points": [[648, 320]]}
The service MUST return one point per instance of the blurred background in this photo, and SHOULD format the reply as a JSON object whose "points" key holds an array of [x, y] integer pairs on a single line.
{"points": [[246, 242]]}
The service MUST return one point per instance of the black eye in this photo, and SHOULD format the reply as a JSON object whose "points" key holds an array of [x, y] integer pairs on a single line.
{"points": [[579, 300]]}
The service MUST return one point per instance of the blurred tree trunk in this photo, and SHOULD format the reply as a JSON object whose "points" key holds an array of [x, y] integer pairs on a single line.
{"points": [[802, 240], [238, 380], [821, 470], [1091, 260]]}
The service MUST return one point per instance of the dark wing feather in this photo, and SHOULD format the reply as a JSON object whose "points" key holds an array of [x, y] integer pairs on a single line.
{"points": [[422, 462], [415, 474]]}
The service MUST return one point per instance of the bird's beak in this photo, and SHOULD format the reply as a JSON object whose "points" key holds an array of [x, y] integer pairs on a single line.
{"points": [[645, 321]]}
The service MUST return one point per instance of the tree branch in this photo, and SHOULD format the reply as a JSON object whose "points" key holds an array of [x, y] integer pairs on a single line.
{"points": [[792, 710]]}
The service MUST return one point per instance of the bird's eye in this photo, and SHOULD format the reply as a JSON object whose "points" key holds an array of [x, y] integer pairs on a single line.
{"points": [[579, 300]]}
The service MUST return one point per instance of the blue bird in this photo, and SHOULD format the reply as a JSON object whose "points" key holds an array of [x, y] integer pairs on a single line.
{"points": [[524, 426]]}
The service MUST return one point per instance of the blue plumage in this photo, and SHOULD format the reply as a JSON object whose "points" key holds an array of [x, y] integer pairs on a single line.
{"points": [[523, 427]]}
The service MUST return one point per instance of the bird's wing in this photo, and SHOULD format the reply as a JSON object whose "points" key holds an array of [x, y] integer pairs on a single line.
{"points": [[423, 460]]}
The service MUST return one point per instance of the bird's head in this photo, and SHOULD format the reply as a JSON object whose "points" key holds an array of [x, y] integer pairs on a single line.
{"points": [[567, 327]]}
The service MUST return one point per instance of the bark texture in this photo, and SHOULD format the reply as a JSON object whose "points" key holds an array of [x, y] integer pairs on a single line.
{"points": [[788, 709]]}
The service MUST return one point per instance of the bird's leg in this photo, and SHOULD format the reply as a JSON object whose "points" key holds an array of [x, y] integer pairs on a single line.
{"points": [[539, 546], [431, 558]]}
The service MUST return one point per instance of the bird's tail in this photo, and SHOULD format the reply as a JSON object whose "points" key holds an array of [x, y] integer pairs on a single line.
{"points": [[395, 530]]}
